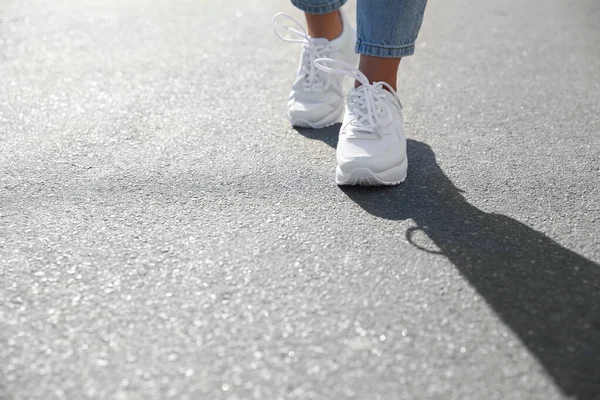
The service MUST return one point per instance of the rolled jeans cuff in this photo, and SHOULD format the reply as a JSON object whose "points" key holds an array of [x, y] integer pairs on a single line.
{"points": [[318, 9], [384, 51]]}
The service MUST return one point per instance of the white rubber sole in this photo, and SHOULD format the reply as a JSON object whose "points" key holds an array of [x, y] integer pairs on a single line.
{"points": [[365, 177], [326, 121]]}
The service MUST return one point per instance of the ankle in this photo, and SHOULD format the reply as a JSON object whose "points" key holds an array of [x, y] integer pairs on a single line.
{"points": [[329, 26], [378, 69]]}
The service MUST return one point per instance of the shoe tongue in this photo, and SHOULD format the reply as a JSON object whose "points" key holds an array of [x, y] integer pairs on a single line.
{"points": [[388, 95], [385, 118]]}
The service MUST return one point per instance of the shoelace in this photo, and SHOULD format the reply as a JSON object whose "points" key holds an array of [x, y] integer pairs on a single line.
{"points": [[312, 81], [362, 101]]}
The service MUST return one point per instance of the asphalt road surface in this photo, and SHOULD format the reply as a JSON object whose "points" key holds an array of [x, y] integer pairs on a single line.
{"points": [[165, 234]]}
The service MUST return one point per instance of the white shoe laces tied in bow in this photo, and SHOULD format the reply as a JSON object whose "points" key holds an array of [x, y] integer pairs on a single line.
{"points": [[312, 80], [364, 102]]}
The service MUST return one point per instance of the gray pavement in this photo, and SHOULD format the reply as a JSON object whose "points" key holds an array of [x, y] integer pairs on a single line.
{"points": [[165, 234]]}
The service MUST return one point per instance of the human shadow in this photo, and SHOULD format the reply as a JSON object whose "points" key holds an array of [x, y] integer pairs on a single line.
{"points": [[548, 295]]}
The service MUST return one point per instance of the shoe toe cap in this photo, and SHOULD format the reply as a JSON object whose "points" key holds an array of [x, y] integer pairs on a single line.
{"points": [[374, 155], [310, 113]]}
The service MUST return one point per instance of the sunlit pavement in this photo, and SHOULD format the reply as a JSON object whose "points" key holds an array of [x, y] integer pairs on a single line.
{"points": [[165, 234]]}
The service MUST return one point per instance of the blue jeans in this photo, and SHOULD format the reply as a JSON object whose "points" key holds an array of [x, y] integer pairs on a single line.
{"points": [[385, 28]]}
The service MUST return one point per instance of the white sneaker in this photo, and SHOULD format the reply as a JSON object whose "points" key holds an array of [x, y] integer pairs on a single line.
{"points": [[317, 99], [371, 148]]}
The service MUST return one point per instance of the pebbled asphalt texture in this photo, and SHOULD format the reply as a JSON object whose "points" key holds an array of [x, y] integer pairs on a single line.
{"points": [[165, 234]]}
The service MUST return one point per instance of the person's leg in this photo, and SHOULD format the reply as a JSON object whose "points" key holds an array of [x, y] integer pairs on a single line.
{"points": [[387, 30], [316, 99], [371, 148], [379, 69], [323, 17], [328, 26]]}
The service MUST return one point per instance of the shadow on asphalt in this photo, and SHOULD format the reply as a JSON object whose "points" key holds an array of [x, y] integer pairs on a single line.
{"points": [[548, 295]]}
